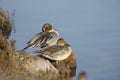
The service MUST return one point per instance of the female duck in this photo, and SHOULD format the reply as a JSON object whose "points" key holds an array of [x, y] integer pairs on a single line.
{"points": [[58, 52], [46, 38]]}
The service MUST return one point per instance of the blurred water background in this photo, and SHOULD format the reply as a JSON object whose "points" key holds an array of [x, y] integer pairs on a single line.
{"points": [[91, 27]]}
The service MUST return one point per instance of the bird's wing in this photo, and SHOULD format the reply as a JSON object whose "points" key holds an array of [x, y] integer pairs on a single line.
{"points": [[39, 39], [37, 36], [49, 39], [48, 50], [56, 53]]}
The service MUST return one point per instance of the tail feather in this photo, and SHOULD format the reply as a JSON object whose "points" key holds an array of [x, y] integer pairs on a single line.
{"points": [[29, 46]]}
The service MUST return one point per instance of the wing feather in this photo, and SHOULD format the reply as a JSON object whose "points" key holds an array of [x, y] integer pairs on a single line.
{"points": [[56, 52]]}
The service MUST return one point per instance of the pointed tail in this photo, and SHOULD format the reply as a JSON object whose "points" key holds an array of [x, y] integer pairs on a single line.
{"points": [[29, 46]]}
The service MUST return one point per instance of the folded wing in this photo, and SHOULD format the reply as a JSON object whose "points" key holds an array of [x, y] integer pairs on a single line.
{"points": [[56, 52]]}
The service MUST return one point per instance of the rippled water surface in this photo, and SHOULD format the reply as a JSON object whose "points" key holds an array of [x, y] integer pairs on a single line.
{"points": [[91, 27]]}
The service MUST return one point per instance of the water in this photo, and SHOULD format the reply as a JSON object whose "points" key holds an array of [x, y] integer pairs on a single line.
{"points": [[91, 27]]}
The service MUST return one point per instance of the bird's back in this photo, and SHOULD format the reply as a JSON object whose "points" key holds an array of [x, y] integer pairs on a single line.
{"points": [[56, 52]]}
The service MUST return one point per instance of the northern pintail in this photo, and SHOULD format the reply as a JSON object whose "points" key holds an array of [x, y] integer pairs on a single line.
{"points": [[58, 52], [46, 38]]}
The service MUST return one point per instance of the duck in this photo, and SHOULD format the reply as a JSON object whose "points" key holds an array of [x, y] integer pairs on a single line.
{"points": [[82, 76], [48, 37], [57, 52]]}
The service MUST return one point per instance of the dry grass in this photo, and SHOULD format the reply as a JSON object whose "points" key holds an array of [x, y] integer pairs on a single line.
{"points": [[5, 24]]}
